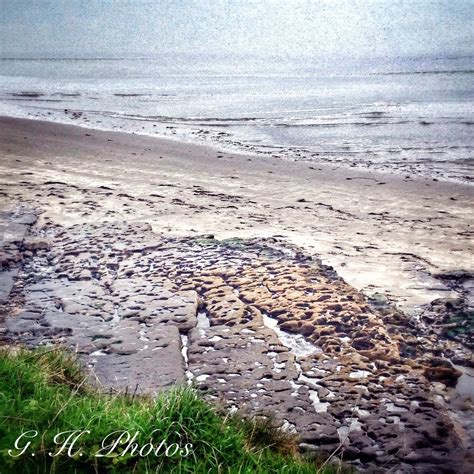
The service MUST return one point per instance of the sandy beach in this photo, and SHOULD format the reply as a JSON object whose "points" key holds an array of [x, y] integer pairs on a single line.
{"points": [[119, 245], [397, 235]]}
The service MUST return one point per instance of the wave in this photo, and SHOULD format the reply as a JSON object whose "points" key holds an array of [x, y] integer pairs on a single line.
{"points": [[30, 94], [432, 71], [72, 59]]}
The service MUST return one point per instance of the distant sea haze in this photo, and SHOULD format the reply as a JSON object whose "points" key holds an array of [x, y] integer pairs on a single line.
{"points": [[411, 116]]}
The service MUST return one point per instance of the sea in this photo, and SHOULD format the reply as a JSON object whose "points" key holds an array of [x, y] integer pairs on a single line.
{"points": [[411, 116]]}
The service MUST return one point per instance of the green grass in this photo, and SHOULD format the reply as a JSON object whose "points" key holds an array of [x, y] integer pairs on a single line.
{"points": [[45, 391]]}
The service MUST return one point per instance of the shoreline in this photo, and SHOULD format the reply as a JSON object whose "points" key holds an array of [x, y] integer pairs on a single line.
{"points": [[381, 232], [175, 129]]}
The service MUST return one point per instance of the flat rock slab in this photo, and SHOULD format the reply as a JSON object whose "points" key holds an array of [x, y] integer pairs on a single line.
{"points": [[256, 325], [143, 359], [6, 284], [14, 225]]}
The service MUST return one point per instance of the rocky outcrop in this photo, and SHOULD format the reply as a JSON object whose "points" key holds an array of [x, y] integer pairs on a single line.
{"points": [[14, 223], [256, 325]]}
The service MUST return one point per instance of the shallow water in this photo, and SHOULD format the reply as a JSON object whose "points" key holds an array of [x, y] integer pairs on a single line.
{"points": [[296, 342], [417, 121]]}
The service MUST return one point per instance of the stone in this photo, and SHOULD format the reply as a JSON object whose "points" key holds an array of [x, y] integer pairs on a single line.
{"points": [[6, 284], [146, 311]]}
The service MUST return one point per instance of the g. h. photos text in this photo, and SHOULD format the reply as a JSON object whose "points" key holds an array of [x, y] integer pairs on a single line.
{"points": [[115, 444]]}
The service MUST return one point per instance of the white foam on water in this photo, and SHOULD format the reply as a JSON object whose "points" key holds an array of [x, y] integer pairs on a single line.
{"points": [[402, 123]]}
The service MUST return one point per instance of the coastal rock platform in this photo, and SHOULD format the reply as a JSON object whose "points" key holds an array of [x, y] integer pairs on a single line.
{"points": [[256, 325]]}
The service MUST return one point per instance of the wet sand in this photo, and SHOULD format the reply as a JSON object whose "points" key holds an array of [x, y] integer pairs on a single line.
{"points": [[382, 233]]}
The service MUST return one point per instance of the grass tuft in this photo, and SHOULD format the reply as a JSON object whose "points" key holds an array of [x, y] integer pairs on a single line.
{"points": [[263, 432], [45, 392]]}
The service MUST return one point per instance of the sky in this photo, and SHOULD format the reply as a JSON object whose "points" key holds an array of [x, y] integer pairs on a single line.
{"points": [[291, 28]]}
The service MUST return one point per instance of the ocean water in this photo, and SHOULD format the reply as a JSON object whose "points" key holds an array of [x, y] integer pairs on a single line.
{"points": [[405, 116]]}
